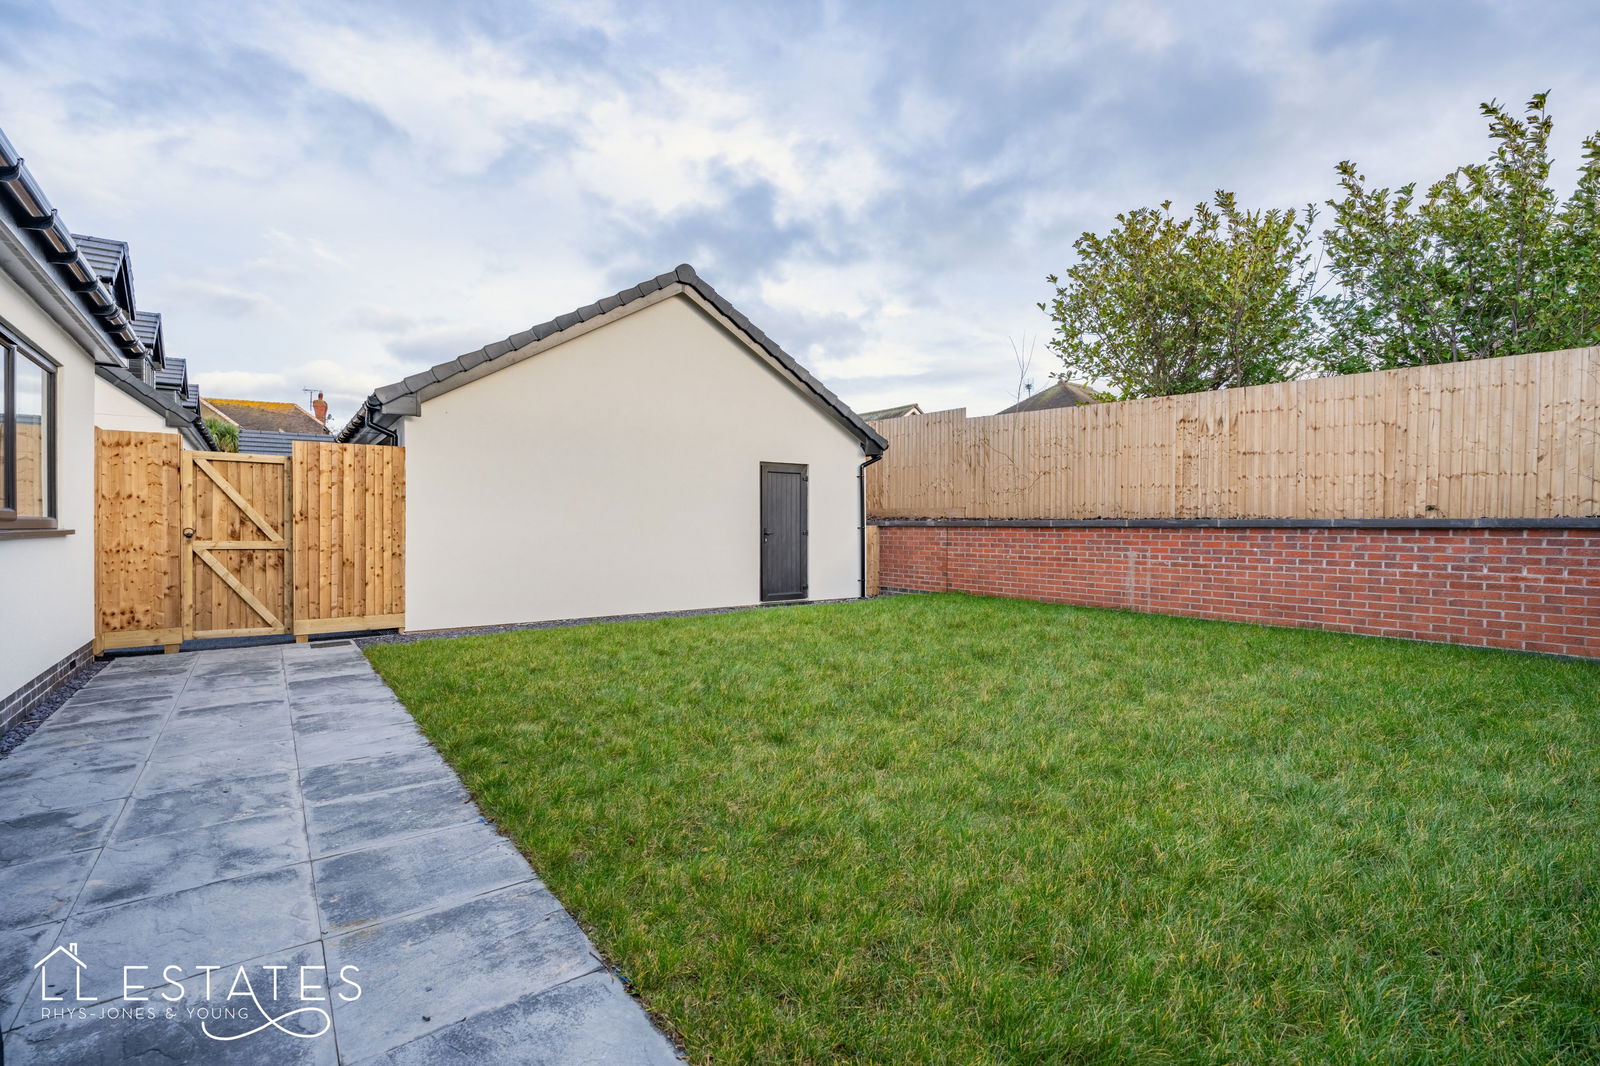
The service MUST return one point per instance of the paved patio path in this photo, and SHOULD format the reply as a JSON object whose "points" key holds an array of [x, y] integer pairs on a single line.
{"points": [[267, 833]]}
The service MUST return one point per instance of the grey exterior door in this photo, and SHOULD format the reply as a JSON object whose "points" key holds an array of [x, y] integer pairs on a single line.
{"points": [[783, 531]]}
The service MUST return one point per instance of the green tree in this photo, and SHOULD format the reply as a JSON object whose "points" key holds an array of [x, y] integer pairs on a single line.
{"points": [[1162, 305], [226, 434], [1488, 262]]}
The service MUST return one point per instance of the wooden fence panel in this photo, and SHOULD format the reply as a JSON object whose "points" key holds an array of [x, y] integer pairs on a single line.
{"points": [[237, 506], [348, 537], [138, 540], [317, 546], [1515, 437]]}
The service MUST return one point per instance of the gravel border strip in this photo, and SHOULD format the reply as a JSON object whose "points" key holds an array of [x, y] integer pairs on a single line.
{"points": [[24, 727], [565, 623]]}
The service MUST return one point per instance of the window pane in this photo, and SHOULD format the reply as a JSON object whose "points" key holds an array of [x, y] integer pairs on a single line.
{"points": [[32, 435]]}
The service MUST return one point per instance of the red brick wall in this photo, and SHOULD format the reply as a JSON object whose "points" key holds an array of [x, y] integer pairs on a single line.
{"points": [[1533, 589]]}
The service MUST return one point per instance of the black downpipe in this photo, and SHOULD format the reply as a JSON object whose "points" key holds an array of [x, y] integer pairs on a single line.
{"points": [[861, 529]]}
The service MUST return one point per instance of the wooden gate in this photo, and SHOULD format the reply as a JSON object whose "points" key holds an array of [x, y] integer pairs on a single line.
{"points": [[236, 544], [194, 545]]}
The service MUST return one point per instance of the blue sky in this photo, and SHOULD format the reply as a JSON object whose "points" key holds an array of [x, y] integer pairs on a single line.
{"points": [[335, 194]]}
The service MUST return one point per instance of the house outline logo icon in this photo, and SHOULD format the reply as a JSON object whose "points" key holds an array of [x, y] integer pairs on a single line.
{"points": [[71, 952]]}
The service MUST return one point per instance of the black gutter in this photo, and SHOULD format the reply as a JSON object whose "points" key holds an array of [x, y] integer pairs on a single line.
{"points": [[861, 530], [369, 420], [32, 213]]}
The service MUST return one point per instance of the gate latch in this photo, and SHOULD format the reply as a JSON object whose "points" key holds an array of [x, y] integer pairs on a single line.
{"points": [[188, 531]]}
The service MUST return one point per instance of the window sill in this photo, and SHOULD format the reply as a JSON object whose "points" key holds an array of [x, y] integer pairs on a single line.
{"points": [[25, 534]]}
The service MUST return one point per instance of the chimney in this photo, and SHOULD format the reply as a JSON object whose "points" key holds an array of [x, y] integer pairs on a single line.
{"points": [[319, 407]]}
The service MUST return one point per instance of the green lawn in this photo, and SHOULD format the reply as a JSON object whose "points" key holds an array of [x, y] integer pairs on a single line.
{"points": [[961, 830]]}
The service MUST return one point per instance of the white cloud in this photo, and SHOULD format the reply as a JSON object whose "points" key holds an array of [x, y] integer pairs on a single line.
{"points": [[331, 197]]}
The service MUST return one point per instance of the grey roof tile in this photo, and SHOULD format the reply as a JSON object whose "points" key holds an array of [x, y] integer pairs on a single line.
{"points": [[684, 274], [104, 255], [174, 375], [385, 393], [268, 442], [147, 327], [1061, 394]]}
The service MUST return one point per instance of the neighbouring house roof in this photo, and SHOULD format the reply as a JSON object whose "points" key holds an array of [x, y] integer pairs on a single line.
{"points": [[385, 407], [268, 416], [267, 442], [902, 411], [1061, 394]]}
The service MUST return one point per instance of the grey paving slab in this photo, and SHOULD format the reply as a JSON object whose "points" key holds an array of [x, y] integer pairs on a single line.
{"points": [[149, 686], [113, 709], [45, 833], [331, 693], [111, 712], [190, 737], [374, 773], [140, 665], [193, 808], [361, 887], [249, 916], [19, 950], [114, 1033], [129, 734], [216, 767], [328, 748], [359, 718], [223, 692], [48, 760], [242, 710], [439, 968], [379, 817], [42, 891], [591, 1021], [139, 866], [46, 792], [353, 665], [235, 668]]}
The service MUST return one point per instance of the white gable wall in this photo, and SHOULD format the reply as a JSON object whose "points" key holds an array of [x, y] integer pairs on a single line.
{"points": [[47, 582], [115, 409], [617, 473]]}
